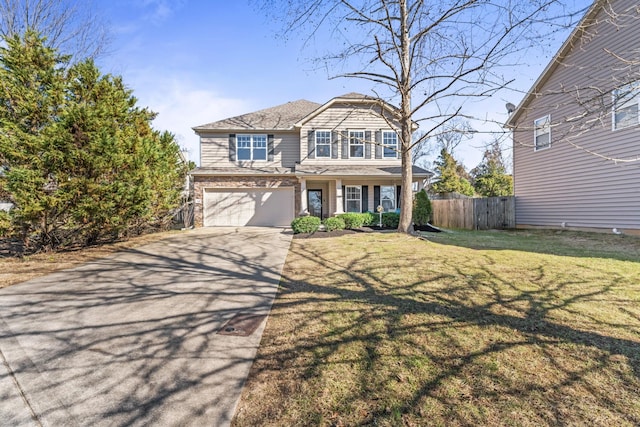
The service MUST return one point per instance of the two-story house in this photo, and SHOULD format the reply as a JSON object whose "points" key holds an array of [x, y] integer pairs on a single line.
{"points": [[576, 134], [300, 158]]}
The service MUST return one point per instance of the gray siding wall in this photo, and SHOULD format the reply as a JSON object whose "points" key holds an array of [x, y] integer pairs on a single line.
{"points": [[214, 150], [342, 118], [568, 182]]}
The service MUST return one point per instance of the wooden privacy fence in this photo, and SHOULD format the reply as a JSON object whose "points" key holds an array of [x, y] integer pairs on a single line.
{"points": [[475, 214]]}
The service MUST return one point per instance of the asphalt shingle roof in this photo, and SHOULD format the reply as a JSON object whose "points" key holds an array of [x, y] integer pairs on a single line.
{"points": [[279, 117]]}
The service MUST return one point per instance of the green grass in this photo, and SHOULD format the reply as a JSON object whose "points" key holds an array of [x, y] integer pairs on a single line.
{"points": [[465, 328]]}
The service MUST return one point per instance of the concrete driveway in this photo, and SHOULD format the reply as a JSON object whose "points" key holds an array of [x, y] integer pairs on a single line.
{"points": [[133, 339]]}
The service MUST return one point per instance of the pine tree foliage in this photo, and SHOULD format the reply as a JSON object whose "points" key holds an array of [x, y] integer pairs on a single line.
{"points": [[421, 208], [451, 176], [490, 177], [81, 161]]}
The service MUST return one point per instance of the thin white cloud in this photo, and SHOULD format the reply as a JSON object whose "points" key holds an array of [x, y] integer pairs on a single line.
{"points": [[159, 11], [181, 104]]}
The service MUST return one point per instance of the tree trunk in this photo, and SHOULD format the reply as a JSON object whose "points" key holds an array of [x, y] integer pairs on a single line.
{"points": [[406, 201]]}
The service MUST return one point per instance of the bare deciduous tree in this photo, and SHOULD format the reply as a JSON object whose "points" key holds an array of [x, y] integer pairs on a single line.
{"points": [[68, 25], [428, 57]]}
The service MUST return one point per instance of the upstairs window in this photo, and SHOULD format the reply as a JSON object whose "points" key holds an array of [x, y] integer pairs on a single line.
{"points": [[625, 106], [542, 133], [323, 143], [251, 147], [389, 145], [356, 144]]}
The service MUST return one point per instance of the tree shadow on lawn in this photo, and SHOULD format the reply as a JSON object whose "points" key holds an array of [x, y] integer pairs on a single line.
{"points": [[552, 242], [350, 341]]}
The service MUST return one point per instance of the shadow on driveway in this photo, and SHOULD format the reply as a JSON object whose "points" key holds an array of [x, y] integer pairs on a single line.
{"points": [[132, 339]]}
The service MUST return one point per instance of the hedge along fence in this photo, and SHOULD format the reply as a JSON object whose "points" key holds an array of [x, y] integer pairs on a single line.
{"points": [[475, 214]]}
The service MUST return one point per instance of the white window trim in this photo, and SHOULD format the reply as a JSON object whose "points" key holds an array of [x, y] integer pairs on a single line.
{"points": [[347, 200], [634, 99], [395, 197], [252, 147], [360, 142], [395, 152], [536, 128], [316, 143]]}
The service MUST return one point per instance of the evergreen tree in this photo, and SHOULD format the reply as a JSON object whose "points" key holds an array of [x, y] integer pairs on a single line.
{"points": [[82, 160], [451, 177], [421, 208], [490, 178]]}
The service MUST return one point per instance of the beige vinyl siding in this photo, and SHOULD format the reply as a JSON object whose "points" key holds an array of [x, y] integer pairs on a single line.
{"points": [[565, 183], [343, 118], [214, 149]]}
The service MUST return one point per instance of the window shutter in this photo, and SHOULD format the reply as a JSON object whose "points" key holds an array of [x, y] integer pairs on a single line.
{"points": [[367, 144], [398, 147], [365, 198], [232, 147], [270, 147], [378, 144], [344, 199], [311, 145], [376, 196], [398, 188], [345, 144], [334, 144]]}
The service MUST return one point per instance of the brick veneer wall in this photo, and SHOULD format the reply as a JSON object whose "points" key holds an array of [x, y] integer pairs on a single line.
{"points": [[202, 182]]}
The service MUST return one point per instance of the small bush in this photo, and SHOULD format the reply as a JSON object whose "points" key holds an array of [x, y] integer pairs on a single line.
{"points": [[352, 220], [334, 223], [305, 224], [422, 208], [390, 219], [370, 218]]}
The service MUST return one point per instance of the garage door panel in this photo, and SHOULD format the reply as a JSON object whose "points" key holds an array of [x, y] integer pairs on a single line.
{"points": [[239, 207]]}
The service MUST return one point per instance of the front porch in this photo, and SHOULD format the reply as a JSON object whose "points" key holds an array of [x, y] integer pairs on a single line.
{"points": [[329, 197]]}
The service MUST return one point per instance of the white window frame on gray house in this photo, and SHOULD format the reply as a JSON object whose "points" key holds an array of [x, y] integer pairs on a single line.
{"points": [[356, 141], [323, 143], [389, 144], [254, 145], [625, 111], [388, 198], [542, 131], [353, 195]]}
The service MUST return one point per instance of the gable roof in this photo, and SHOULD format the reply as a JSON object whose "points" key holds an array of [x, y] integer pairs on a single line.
{"points": [[352, 98], [564, 50], [280, 117]]}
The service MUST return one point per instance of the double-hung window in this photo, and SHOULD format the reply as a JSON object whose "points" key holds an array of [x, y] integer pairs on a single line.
{"points": [[251, 147], [625, 105], [388, 198], [356, 144], [389, 145], [542, 133], [323, 143], [353, 198]]}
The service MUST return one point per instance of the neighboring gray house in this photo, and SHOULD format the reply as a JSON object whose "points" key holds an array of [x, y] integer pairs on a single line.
{"points": [[577, 132], [267, 167]]}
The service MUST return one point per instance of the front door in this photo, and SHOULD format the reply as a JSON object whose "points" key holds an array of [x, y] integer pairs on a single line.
{"points": [[314, 199]]}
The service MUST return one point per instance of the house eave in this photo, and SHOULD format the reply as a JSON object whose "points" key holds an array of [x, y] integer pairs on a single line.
{"points": [[555, 62]]}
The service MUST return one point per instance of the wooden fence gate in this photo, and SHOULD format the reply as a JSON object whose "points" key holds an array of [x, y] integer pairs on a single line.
{"points": [[475, 214]]}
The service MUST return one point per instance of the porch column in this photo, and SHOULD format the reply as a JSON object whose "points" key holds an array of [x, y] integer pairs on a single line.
{"points": [[304, 208], [339, 197]]}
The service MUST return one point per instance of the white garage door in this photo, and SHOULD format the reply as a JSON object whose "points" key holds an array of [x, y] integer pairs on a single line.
{"points": [[259, 207]]}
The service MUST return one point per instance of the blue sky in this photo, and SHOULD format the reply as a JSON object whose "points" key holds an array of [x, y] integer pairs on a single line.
{"points": [[198, 61]]}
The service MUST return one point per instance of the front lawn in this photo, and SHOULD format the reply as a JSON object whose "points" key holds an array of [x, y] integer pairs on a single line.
{"points": [[467, 328]]}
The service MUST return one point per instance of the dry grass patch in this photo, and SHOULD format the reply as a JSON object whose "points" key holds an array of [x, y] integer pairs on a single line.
{"points": [[482, 328], [14, 269]]}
